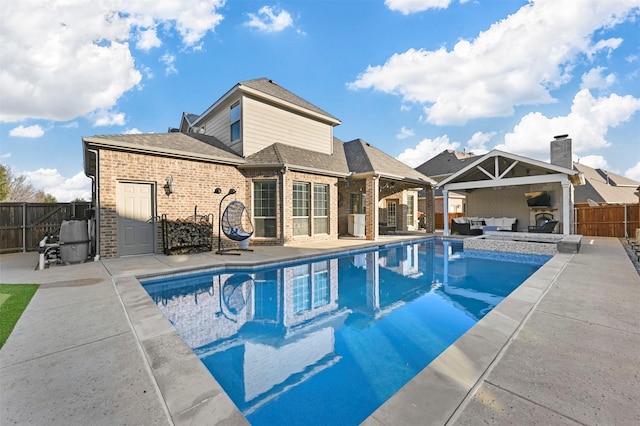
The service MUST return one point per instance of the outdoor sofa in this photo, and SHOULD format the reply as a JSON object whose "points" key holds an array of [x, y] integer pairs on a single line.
{"points": [[473, 225]]}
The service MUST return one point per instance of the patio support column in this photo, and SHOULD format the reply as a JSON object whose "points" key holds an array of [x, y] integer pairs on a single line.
{"points": [[373, 280], [372, 219], [566, 208], [445, 209]]}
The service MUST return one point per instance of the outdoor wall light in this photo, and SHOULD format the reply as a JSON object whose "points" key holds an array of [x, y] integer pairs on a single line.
{"points": [[169, 186]]}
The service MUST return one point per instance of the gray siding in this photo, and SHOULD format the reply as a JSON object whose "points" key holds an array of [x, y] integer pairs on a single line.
{"points": [[264, 125], [218, 125]]}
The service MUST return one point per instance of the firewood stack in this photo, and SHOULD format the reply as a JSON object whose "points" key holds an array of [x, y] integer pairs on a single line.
{"points": [[190, 235]]}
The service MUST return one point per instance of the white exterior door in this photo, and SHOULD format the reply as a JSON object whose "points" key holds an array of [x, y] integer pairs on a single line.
{"points": [[392, 206], [134, 208]]}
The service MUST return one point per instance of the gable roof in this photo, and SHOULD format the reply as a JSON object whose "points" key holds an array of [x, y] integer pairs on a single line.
{"points": [[349, 158], [498, 168], [363, 158], [605, 187], [446, 163], [270, 90], [270, 87], [280, 155]]}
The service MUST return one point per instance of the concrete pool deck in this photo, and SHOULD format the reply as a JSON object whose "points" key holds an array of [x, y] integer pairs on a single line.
{"points": [[92, 348]]}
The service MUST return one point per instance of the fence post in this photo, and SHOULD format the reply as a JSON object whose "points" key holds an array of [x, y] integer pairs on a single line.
{"points": [[24, 227]]}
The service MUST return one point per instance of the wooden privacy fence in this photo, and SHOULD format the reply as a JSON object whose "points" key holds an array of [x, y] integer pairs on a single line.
{"points": [[440, 218], [620, 220], [23, 225]]}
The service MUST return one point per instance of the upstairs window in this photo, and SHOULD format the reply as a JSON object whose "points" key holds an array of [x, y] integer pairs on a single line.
{"points": [[234, 118]]}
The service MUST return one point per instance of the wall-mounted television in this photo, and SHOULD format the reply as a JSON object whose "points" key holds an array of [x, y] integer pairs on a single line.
{"points": [[538, 199]]}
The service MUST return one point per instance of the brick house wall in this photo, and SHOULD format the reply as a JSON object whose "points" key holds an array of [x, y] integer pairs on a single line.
{"points": [[290, 177], [194, 181]]}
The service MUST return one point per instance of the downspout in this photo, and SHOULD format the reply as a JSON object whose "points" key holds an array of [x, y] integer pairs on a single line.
{"points": [[95, 187]]}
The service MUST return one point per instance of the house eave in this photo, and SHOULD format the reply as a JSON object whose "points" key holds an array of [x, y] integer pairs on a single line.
{"points": [[296, 168], [124, 146]]}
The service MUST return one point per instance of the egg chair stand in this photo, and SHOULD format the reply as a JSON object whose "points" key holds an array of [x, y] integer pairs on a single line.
{"points": [[231, 224]]}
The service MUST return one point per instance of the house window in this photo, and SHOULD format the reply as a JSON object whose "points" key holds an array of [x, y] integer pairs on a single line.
{"points": [[410, 207], [320, 209], [301, 208], [358, 203], [320, 284], [264, 208], [234, 119], [301, 289]]}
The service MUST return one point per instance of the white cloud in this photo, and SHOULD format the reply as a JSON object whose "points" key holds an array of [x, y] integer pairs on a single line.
{"points": [[107, 118], [169, 63], [5, 155], [148, 39], [71, 125], [633, 172], [64, 189], [270, 19], [62, 59], [517, 61], [412, 6], [34, 131], [133, 131], [587, 125], [594, 161], [426, 149], [478, 142], [594, 79], [405, 133]]}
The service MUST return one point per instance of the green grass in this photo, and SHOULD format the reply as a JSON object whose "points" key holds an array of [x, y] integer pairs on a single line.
{"points": [[14, 299]]}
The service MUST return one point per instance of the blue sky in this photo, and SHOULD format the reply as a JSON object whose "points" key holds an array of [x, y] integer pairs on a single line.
{"points": [[411, 77]]}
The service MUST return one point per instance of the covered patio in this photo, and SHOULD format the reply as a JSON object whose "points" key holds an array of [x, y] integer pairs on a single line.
{"points": [[496, 185]]}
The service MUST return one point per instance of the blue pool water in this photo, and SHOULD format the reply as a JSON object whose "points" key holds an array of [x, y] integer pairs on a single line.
{"points": [[329, 341]]}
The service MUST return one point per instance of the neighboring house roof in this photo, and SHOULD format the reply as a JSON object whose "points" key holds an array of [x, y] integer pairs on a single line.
{"points": [[445, 164], [363, 158], [605, 187], [281, 155], [174, 144]]}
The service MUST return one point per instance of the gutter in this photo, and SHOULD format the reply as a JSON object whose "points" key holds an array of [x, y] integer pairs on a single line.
{"points": [[171, 152]]}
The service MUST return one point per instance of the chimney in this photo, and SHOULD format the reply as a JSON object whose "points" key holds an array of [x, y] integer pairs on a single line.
{"points": [[561, 152]]}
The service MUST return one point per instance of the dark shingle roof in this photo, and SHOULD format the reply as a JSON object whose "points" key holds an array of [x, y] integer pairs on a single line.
{"points": [[446, 163], [272, 88], [187, 145], [280, 155], [605, 187], [362, 157]]}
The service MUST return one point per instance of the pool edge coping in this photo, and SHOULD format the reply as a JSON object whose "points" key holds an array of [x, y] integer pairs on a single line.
{"points": [[176, 369]]}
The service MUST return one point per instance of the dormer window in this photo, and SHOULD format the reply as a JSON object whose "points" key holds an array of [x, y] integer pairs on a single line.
{"points": [[234, 118]]}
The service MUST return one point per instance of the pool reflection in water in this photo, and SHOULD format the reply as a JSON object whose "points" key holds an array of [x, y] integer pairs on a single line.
{"points": [[327, 342]]}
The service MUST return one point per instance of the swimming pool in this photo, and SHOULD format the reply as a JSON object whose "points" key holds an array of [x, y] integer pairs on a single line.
{"points": [[329, 341]]}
